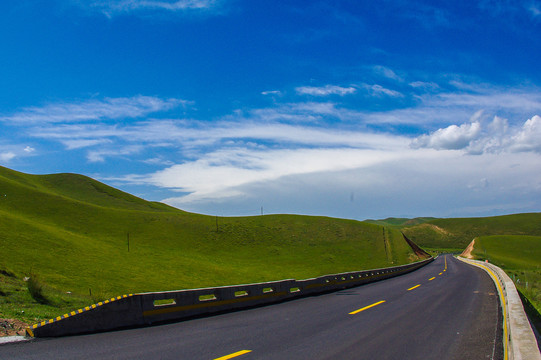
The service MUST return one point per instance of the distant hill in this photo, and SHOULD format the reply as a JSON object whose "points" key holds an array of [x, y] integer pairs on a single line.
{"points": [[86, 241], [457, 233], [400, 222]]}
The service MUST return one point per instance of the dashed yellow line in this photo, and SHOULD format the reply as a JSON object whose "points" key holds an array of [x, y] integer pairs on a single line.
{"points": [[414, 287], [440, 273], [366, 307], [231, 356], [432, 278]]}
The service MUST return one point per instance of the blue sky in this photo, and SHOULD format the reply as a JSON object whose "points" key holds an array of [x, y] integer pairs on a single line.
{"points": [[353, 109]]}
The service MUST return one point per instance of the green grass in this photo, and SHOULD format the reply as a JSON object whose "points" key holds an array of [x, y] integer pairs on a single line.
{"points": [[520, 257], [400, 222], [70, 233]]}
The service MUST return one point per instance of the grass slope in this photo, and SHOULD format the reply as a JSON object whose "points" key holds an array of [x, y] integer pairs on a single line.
{"points": [[520, 257], [455, 234], [69, 235]]}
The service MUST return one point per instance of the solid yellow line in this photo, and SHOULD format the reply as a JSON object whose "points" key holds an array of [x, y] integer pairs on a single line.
{"points": [[504, 307], [231, 356], [416, 286], [366, 307], [432, 278]]}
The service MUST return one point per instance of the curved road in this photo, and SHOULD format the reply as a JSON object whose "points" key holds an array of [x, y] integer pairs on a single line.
{"points": [[445, 310]]}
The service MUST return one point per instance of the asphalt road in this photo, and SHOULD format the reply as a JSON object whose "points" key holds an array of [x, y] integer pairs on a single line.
{"points": [[445, 310]]}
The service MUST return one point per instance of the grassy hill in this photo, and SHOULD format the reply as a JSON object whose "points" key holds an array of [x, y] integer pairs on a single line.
{"points": [[77, 241], [455, 234], [400, 222]]}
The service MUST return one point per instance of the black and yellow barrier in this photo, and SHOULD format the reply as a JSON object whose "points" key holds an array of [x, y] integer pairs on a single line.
{"points": [[147, 308]]}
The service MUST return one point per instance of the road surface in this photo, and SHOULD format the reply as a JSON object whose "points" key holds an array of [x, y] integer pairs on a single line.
{"points": [[445, 310]]}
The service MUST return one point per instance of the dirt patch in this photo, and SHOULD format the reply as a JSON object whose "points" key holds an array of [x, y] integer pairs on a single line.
{"points": [[12, 327], [467, 252], [436, 229]]}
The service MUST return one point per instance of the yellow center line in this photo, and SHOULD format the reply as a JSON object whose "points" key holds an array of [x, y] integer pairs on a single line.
{"points": [[416, 286], [231, 356], [440, 273], [432, 278], [366, 307]]}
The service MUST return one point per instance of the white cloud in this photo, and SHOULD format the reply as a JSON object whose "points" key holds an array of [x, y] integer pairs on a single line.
{"points": [[496, 137], [424, 85], [158, 161], [529, 136], [450, 138], [448, 107], [113, 7], [99, 155], [219, 173], [378, 90], [82, 143], [7, 156], [380, 181], [272, 92], [29, 149], [325, 90], [387, 72], [90, 110]]}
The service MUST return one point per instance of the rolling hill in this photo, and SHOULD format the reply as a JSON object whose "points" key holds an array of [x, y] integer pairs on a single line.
{"points": [[78, 241]]}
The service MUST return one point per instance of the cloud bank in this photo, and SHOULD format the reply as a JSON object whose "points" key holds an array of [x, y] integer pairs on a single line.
{"points": [[461, 151]]}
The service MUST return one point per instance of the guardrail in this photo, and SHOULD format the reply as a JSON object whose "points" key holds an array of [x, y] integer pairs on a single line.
{"points": [[519, 339], [146, 308]]}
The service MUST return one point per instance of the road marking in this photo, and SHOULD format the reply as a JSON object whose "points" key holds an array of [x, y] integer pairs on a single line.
{"points": [[503, 301], [416, 286], [440, 273], [366, 307], [432, 278], [231, 356]]}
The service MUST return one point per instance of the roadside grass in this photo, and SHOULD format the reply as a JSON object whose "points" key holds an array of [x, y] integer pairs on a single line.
{"points": [[520, 257], [79, 241]]}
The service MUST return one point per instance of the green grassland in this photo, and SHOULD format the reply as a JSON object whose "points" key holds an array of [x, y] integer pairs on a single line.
{"points": [[520, 257], [453, 235], [67, 235], [400, 222]]}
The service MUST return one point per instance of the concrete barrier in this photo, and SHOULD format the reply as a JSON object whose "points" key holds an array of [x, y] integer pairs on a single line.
{"points": [[519, 339], [146, 308]]}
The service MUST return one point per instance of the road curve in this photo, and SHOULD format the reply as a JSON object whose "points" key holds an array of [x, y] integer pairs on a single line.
{"points": [[445, 310]]}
